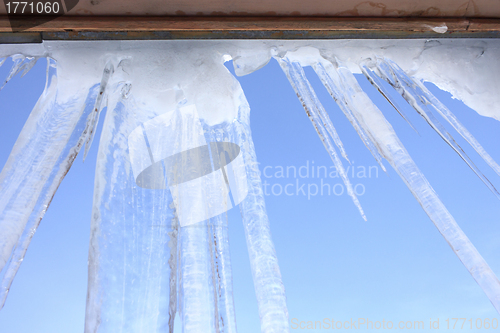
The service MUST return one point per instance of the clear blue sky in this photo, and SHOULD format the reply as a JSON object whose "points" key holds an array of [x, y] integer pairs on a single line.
{"points": [[394, 267]]}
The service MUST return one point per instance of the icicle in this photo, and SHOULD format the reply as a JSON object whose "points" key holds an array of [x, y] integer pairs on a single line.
{"points": [[450, 117], [197, 308], [420, 102], [173, 264], [18, 62], [374, 123], [332, 131], [266, 274], [225, 320], [41, 157], [330, 80], [312, 105], [377, 83], [329, 126], [21, 64], [94, 116], [222, 274], [134, 234], [27, 66]]}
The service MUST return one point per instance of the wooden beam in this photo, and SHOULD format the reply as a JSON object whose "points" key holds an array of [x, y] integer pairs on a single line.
{"points": [[92, 27]]}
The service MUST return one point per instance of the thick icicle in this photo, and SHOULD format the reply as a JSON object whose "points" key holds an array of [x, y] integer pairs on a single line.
{"points": [[373, 121], [330, 80], [148, 175], [420, 101], [266, 274], [225, 320], [313, 107], [134, 233], [197, 304], [41, 157]]}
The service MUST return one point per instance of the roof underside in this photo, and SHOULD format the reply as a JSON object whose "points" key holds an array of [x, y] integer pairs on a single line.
{"points": [[332, 8]]}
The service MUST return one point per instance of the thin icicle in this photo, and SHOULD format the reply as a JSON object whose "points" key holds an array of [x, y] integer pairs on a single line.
{"points": [[323, 115], [373, 121], [222, 273], [452, 119], [18, 60], [94, 116], [41, 157], [27, 66], [377, 83], [417, 98], [173, 264], [330, 80], [2, 61], [312, 105]]}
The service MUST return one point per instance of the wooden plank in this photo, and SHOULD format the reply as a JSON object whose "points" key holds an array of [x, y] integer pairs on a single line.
{"points": [[92, 23], [484, 25], [127, 28]]}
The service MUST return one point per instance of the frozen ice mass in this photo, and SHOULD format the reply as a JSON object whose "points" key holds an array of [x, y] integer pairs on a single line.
{"points": [[176, 153]]}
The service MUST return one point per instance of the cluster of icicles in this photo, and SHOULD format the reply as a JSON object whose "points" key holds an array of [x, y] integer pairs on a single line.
{"points": [[141, 276]]}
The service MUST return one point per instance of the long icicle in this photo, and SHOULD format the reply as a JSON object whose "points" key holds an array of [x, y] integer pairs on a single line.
{"points": [[222, 275], [372, 119], [306, 94], [173, 263], [337, 93], [377, 83], [414, 95], [132, 284], [40, 159], [449, 116], [269, 288], [196, 293]]}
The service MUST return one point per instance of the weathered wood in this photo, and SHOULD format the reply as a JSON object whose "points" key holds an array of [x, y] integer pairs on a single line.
{"points": [[91, 27], [110, 23]]}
